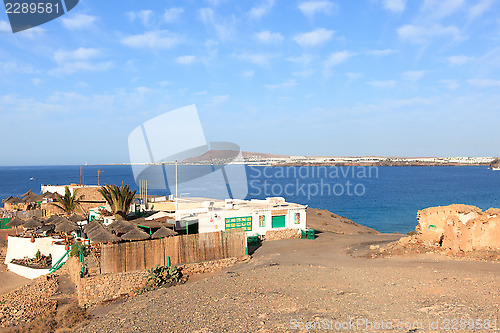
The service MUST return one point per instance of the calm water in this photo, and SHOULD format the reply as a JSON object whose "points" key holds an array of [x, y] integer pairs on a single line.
{"points": [[387, 199]]}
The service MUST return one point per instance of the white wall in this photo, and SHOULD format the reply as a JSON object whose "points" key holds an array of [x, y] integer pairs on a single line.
{"points": [[219, 223], [22, 247]]}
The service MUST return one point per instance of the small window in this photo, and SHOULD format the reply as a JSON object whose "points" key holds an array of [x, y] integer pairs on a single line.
{"points": [[262, 221]]}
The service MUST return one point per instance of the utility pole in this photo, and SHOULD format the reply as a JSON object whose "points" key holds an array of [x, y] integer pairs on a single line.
{"points": [[98, 172]]}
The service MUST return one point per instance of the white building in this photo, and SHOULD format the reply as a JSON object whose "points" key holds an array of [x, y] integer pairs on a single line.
{"points": [[255, 216]]}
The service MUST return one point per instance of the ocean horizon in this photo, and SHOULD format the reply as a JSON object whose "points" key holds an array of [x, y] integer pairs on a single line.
{"points": [[384, 198]]}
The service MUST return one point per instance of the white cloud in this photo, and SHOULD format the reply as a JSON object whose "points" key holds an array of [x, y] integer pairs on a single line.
{"points": [[287, 84], [353, 76], [481, 7], [382, 84], [5, 26], [304, 59], [145, 16], [395, 6], [16, 67], [217, 100], [259, 11], [77, 60], [441, 8], [32, 32], [337, 58], [78, 21], [37, 82], [172, 14], [304, 73], [414, 75], [380, 53], [185, 60], [268, 37], [81, 53], [459, 60], [77, 66], [314, 38], [223, 30], [261, 59], [484, 83], [156, 39], [248, 74], [310, 8], [449, 84], [206, 15], [421, 34]]}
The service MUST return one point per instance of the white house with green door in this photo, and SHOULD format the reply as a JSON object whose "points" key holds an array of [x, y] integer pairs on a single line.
{"points": [[254, 216]]}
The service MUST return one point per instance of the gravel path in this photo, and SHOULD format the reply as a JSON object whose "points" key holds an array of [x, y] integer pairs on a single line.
{"points": [[298, 281]]}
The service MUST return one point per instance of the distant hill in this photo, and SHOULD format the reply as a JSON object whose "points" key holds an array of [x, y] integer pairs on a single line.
{"points": [[495, 164], [219, 155]]}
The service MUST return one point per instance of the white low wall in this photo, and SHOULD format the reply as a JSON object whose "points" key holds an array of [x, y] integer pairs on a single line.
{"points": [[30, 273], [22, 247]]}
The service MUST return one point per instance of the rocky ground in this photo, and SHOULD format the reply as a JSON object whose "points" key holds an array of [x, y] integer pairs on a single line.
{"points": [[27, 302], [289, 283]]}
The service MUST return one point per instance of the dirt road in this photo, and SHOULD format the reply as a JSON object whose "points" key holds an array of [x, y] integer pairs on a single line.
{"points": [[290, 284]]}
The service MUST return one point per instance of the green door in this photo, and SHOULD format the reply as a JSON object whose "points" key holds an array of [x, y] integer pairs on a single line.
{"points": [[278, 221]]}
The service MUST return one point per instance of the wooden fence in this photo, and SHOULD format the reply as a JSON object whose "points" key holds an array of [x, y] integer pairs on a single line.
{"points": [[132, 256]]}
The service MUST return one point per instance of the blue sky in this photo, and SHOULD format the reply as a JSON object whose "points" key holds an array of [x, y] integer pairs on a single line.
{"points": [[368, 77]]}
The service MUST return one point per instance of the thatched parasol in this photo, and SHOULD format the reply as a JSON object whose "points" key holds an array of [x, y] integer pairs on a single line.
{"points": [[76, 218], [103, 236], [135, 234], [28, 193], [49, 195], [33, 198], [15, 222], [53, 219], [8, 199], [16, 200], [163, 232], [91, 225], [121, 226], [32, 223], [65, 227]]}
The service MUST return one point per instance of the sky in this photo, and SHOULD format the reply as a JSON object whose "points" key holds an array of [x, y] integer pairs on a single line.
{"points": [[367, 77]]}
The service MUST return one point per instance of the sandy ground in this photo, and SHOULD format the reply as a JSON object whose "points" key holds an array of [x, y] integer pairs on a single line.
{"points": [[290, 284], [9, 281]]}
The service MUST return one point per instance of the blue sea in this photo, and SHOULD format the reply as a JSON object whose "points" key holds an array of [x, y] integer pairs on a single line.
{"points": [[384, 198]]}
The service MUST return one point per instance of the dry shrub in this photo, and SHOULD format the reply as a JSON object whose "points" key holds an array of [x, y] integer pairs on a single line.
{"points": [[72, 316]]}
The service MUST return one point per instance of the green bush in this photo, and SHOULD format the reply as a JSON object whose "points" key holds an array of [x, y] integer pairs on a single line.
{"points": [[159, 276], [77, 247]]}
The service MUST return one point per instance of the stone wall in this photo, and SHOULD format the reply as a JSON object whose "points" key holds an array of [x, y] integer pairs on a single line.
{"points": [[459, 227], [101, 288], [281, 234]]}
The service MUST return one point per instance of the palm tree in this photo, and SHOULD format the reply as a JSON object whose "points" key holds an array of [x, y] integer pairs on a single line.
{"points": [[119, 198], [69, 203]]}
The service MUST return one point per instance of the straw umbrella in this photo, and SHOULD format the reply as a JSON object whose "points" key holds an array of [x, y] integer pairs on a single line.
{"points": [[163, 232], [49, 195], [15, 222], [121, 226], [135, 234], [16, 200], [53, 219], [28, 193], [32, 223], [103, 236], [7, 200], [76, 218], [65, 227]]}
